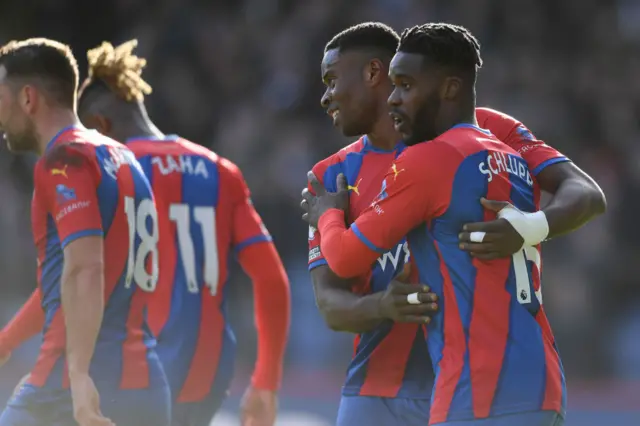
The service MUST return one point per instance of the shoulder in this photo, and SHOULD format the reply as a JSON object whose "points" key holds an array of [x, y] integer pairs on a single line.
{"points": [[502, 125], [321, 167], [71, 154]]}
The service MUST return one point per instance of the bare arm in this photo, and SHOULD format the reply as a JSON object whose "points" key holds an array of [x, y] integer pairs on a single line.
{"points": [[577, 198], [341, 309], [82, 288]]}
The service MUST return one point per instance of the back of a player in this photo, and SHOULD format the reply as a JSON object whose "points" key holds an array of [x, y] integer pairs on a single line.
{"points": [[491, 345], [195, 193], [89, 185]]}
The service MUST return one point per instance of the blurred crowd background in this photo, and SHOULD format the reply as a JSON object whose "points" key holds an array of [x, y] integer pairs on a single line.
{"points": [[243, 78]]}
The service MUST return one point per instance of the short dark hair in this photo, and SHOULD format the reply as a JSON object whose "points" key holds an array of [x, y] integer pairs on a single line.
{"points": [[445, 44], [48, 60], [374, 35]]}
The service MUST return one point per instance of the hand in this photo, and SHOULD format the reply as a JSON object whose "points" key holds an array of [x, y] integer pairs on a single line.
{"points": [[258, 407], [4, 358], [315, 206], [395, 306], [86, 402], [500, 239], [19, 385]]}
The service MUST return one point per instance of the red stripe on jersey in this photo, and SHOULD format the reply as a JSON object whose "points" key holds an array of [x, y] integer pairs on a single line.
{"points": [[553, 389], [204, 364], [160, 302], [489, 326], [46, 359], [135, 370], [388, 362], [452, 361]]}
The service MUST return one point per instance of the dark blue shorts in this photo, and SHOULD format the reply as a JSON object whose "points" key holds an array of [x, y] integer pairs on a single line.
{"points": [[375, 411], [32, 406], [197, 413], [534, 418]]}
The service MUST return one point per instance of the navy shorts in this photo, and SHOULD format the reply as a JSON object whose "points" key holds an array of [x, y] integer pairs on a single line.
{"points": [[32, 406], [376, 411], [197, 413], [534, 418]]}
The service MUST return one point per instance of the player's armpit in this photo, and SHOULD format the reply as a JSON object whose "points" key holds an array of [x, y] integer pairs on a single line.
{"points": [[262, 264], [577, 198], [82, 291], [342, 309], [26, 323]]}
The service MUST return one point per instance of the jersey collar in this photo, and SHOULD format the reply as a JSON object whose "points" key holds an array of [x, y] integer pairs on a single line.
{"points": [[60, 133], [165, 138], [369, 147]]}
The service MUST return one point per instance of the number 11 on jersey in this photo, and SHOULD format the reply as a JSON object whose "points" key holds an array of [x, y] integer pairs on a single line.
{"points": [[206, 218]]}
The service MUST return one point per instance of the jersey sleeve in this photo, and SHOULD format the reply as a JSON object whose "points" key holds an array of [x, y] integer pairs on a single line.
{"points": [[416, 188], [68, 178], [512, 132], [315, 251], [247, 227]]}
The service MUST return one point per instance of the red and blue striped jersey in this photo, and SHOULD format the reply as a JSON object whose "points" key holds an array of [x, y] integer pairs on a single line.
{"points": [[204, 214], [490, 344], [391, 360], [87, 184]]}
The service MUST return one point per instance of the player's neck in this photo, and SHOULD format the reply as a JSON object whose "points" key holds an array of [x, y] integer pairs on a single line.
{"points": [[139, 129], [383, 135], [52, 123]]}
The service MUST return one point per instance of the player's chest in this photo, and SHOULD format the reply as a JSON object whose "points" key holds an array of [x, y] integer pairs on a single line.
{"points": [[364, 188]]}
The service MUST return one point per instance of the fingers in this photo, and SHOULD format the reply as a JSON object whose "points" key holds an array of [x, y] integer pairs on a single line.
{"points": [[317, 187], [304, 205], [403, 289], [307, 195], [495, 206], [341, 183], [420, 310], [488, 227], [482, 248], [415, 319], [465, 237]]}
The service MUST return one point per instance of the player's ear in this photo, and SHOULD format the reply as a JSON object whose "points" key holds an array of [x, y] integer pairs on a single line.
{"points": [[374, 72], [28, 98], [450, 88]]}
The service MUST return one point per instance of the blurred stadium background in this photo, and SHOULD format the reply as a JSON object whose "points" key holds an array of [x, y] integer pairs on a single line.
{"points": [[243, 78]]}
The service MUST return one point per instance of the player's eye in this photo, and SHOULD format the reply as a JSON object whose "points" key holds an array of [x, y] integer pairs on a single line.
{"points": [[405, 85]]}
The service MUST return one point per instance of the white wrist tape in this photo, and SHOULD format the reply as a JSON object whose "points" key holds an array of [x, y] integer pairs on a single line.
{"points": [[532, 227]]}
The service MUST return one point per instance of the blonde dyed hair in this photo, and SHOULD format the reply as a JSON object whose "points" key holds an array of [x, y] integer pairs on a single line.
{"points": [[120, 69]]}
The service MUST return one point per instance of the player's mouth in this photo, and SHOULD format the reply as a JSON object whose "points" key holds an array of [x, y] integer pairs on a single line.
{"points": [[399, 122], [334, 113]]}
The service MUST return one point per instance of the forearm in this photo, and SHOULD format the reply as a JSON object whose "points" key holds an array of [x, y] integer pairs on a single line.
{"points": [[272, 311], [343, 310], [575, 202], [346, 255], [83, 307], [27, 322]]}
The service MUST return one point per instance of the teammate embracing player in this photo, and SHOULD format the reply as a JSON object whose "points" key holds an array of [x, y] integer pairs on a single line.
{"points": [[205, 215], [354, 69]]}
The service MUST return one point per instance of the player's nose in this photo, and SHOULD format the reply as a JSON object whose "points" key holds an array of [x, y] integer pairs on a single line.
{"points": [[394, 98], [325, 100]]}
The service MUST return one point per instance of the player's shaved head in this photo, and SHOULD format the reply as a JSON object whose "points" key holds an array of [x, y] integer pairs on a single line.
{"points": [[373, 36], [354, 70], [434, 74]]}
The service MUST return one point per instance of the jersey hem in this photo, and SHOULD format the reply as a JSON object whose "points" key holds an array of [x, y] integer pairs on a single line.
{"points": [[467, 415], [317, 263], [540, 167], [354, 391], [253, 240], [77, 235]]}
